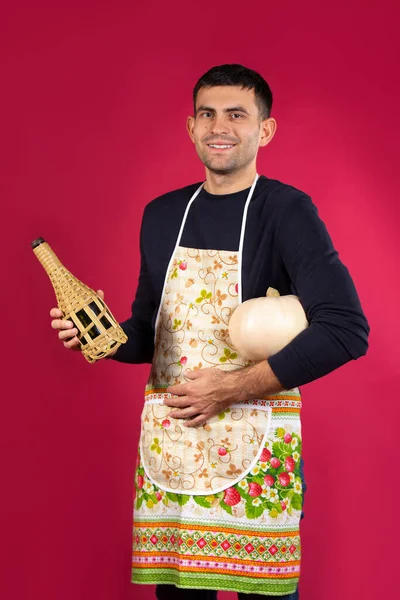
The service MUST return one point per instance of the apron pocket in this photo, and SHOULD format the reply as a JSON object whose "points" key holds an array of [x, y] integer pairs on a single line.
{"points": [[205, 460]]}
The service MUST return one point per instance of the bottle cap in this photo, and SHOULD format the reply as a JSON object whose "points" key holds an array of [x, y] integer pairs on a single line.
{"points": [[37, 242]]}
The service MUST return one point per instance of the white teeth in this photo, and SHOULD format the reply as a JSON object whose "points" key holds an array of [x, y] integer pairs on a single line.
{"points": [[220, 146]]}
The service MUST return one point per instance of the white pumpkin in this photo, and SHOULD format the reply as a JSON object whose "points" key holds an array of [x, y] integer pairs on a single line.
{"points": [[260, 327]]}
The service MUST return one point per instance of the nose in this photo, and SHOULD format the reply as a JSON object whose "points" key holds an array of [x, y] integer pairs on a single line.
{"points": [[220, 125]]}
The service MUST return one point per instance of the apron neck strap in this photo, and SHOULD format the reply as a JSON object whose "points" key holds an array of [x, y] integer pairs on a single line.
{"points": [[243, 227], [242, 232], [192, 199]]}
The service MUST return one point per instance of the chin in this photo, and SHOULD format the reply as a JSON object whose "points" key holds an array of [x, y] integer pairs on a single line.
{"points": [[220, 167], [218, 171]]}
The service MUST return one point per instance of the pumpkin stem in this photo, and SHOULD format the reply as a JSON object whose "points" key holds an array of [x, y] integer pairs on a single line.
{"points": [[272, 293]]}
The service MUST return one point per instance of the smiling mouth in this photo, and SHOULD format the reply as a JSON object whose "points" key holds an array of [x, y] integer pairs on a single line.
{"points": [[221, 146]]}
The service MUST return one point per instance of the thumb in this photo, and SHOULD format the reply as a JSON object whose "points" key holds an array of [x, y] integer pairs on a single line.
{"points": [[101, 294]]}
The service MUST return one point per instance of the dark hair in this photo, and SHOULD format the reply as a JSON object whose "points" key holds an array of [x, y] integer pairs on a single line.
{"points": [[237, 75]]}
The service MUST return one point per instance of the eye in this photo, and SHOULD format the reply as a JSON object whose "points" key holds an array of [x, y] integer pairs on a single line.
{"points": [[206, 114], [236, 116]]}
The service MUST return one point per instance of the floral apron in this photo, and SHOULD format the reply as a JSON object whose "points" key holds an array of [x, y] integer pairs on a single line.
{"points": [[217, 506]]}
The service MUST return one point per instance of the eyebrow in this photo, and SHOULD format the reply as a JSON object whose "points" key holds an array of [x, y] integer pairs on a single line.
{"points": [[239, 108]]}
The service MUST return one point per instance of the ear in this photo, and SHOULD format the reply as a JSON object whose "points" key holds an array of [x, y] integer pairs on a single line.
{"points": [[190, 127], [268, 129]]}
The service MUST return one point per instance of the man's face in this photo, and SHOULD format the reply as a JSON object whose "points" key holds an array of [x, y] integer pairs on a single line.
{"points": [[226, 128]]}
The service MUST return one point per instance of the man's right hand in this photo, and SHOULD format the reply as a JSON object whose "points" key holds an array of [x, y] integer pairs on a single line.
{"points": [[67, 332]]}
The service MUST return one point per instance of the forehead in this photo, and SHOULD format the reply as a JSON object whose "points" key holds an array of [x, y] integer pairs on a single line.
{"points": [[225, 96]]}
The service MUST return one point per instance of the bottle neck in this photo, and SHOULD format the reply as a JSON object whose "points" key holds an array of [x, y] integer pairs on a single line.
{"points": [[48, 259], [56, 272]]}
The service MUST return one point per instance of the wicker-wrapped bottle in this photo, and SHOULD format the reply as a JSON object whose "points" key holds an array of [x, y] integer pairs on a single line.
{"points": [[99, 333]]}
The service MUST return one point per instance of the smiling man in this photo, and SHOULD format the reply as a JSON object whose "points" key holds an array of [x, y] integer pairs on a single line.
{"points": [[219, 480], [227, 134]]}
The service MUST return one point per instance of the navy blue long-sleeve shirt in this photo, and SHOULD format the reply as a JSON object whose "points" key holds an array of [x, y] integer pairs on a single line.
{"points": [[286, 246]]}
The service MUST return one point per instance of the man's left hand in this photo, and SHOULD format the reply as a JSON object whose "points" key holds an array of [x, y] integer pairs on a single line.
{"points": [[209, 392]]}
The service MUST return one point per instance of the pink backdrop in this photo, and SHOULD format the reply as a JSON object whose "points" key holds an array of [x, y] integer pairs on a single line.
{"points": [[94, 100]]}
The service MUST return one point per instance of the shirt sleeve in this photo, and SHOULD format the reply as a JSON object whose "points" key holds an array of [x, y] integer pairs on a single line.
{"points": [[139, 347], [338, 329]]}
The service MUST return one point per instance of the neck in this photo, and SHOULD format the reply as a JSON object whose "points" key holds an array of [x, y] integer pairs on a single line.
{"points": [[229, 183]]}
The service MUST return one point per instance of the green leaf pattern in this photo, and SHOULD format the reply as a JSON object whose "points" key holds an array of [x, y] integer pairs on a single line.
{"points": [[155, 446], [228, 356], [204, 295], [177, 324]]}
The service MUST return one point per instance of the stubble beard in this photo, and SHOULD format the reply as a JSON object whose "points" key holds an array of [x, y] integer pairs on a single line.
{"points": [[224, 169], [223, 166]]}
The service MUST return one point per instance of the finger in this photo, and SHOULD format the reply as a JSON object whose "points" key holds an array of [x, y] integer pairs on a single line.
{"points": [[193, 374], [56, 312], [61, 324], [181, 402], [67, 334], [196, 421], [178, 390], [186, 413], [74, 343], [101, 294]]}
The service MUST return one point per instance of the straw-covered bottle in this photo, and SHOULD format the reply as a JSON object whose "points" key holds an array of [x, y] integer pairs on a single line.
{"points": [[99, 332]]}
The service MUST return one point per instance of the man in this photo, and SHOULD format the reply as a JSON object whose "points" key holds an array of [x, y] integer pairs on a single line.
{"points": [[218, 481]]}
